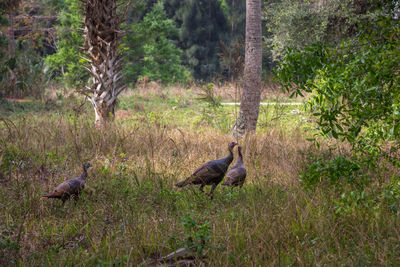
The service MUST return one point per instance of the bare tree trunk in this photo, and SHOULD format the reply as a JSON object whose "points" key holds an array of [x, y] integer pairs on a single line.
{"points": [[250, 103], [102, 38]]}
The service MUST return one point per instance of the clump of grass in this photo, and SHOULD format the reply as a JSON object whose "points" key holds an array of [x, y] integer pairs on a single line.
{"points": [[130, 210]]}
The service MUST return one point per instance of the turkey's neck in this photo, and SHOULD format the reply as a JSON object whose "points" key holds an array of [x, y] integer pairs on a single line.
{"points": [[240, 159], [84, 174], [230, 156]]}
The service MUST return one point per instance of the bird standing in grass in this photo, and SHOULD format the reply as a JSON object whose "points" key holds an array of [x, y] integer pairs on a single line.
{"points": [[237, 174], [210, 173], [71, 187]]}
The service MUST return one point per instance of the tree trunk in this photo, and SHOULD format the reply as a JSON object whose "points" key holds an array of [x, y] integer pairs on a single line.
{"points": [[250, 103], [102, 38]]}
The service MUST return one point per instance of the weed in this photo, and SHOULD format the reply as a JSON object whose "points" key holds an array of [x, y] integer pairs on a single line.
{"points": [[353, 201], [391, 195], [197, 236], [208, 95]]}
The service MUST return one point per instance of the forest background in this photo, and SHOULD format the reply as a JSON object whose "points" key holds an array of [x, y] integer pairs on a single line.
{"points": [[167, 41]]}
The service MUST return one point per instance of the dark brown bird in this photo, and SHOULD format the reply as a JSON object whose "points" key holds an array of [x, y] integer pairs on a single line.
{"points": [[210, 173], [237, 174], [71, 187]]}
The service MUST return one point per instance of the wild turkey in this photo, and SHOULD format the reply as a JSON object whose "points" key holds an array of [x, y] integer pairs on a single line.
{"points": [[210, 173], [71, 187], [237, 174]]}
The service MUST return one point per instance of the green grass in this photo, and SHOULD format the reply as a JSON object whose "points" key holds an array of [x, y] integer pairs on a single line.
{"points": [[28, 106], [131, 212]]}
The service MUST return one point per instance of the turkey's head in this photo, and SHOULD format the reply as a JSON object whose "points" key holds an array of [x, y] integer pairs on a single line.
{"points": [[232, 145], [86, 166]]}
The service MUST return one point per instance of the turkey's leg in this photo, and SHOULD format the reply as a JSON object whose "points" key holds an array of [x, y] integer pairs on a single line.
{"points": [[212, 191], [201, 188]]}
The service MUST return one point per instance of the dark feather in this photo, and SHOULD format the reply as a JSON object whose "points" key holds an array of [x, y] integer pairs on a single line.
{"points": [[71, 187], [210, 173], [237, 174]]}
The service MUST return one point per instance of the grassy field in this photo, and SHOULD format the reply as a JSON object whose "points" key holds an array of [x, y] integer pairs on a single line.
{"points": [[130, 211]]}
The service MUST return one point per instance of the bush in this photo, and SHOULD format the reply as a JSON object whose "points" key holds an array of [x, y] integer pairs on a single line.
{"points": [[354, 87], [334, 171]]}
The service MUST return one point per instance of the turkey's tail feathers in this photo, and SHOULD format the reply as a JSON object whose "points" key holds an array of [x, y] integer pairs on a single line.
{"points": [[226, 183], [184, 182], [229, 181], [52, 195]]}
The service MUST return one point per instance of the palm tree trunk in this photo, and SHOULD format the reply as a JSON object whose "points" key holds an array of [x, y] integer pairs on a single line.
{"points": [[250, 103], [102, 38]]}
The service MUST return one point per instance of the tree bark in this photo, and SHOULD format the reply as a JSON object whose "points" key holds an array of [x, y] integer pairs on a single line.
{"points": [[250, 103], [102, 38]]}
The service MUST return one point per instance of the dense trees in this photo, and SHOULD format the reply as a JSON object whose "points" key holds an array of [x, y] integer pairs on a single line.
{"points": [[186, 43], [316, 44], [354, 86], [202, 26], [297, 24], [152, 53], [27, 32], [65, 62]]}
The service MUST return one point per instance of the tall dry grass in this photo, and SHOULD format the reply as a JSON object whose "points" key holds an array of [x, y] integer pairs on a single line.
{"points": [[130, 210]]}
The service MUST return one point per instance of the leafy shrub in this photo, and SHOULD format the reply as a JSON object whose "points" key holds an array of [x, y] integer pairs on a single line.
{"points": [[208, 95], [13, 158], [334, 171], [8, 245], [355, 86], [16, 80], [353, 201], [391, 195], [197, 236]]}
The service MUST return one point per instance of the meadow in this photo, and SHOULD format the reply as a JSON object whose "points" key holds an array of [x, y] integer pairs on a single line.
{"points": [[301, 204]]}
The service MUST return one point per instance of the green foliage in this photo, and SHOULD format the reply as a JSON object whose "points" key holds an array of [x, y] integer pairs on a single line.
{"points": [[8, 245], [208, 95], [391, 195], [22, 74], [151, 51], [297, 24], [16, 79], [202, 24], [29, 106], [337, 170], [355, 87], [11, 158], [66, 62], [235, 12], [353, 201], [197, 236], [15, 159], [29, 81]]}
